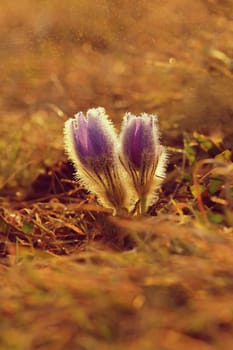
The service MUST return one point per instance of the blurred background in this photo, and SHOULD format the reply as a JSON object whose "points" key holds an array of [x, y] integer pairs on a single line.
{"points": [[171, 57]]}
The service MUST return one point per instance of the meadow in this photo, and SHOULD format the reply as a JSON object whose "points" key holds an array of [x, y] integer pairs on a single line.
{"points": [[74, 276]]}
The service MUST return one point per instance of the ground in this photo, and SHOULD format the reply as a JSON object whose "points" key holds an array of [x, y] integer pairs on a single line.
{"points": [[73, 276]]}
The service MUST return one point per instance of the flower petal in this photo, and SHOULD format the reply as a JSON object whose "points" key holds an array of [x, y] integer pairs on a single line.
{"points": [[91, 143], [80, 134], [142, 155]]}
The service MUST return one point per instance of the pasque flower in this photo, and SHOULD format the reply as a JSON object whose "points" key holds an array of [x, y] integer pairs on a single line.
{"points": [[123, 171], [91, 143], [142, 156]]}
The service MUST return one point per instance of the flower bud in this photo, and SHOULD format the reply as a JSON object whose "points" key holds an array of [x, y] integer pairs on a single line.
{"points": [[94, 138], [142, 155], [91, 144]]}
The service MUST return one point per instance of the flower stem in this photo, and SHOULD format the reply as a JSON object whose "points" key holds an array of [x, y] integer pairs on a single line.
{"points": [[142, 206]]}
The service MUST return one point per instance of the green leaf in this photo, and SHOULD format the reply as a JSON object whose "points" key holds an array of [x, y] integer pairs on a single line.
{"points": [[225, 155], [197, 190], [189, 151], [214, 185], [204, 142], [27, 227], [215, 218]]}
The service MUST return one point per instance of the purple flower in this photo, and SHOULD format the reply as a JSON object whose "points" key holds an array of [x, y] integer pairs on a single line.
{"points": [[94, 138], [142, 155], [91, 143], [139, 139], [124, 172]]}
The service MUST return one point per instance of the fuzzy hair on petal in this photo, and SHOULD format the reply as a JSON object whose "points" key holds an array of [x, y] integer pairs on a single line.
{"points": [[105, 123], [98, 182], [162, 163], [86, 178]]}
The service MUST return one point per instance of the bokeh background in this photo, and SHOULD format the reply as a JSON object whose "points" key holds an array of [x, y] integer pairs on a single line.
{"points": [[72, 276], [172, 57]]}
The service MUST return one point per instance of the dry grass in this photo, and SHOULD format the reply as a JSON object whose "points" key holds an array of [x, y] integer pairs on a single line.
{"points": [[73, 276]]}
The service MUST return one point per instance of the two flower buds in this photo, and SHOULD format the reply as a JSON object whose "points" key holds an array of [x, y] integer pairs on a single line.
{"points": [[124, 171]]}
